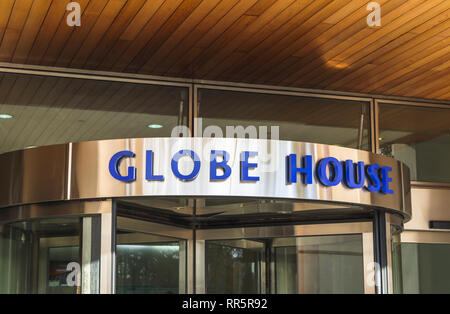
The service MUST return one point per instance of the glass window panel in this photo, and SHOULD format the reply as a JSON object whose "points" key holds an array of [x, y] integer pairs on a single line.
{"points": [[45, 110], [148, 263], [34, 256], [419, 137], [424, 267], [308, 119]]}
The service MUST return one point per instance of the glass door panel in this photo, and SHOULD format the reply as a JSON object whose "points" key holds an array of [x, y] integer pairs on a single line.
{"points": [[150, 258], [322, 258], [235, 266], [318, 264]]}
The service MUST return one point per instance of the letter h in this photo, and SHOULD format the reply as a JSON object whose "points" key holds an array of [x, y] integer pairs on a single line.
{"points": [[292, 170]]}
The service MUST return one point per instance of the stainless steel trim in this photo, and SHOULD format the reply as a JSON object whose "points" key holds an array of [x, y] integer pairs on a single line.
{"points": [[373, 135], [376, 130], [278, 92], [69, 170], [57, 209], [283, 231], [93, 75], [90, 177], [414, 103], [130, 224], [106, 256]]}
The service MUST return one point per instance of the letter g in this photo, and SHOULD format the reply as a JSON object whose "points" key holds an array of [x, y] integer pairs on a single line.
{"points": [[114, 165]]}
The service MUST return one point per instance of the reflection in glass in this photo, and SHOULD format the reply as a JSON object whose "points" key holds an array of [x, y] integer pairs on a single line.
{"points": [[34, 256], [308, 119], [309, 264], [419, 137], [234, 267], [149, 264], [54, 110]]}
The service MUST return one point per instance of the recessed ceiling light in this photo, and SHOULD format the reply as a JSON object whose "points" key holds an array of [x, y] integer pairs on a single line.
{"points": [[5, 116], [155, 126]]}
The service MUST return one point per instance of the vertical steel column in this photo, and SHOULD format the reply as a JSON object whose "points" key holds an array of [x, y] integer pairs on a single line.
{"points": [[107, 252], [379, 232], [90, 255]]}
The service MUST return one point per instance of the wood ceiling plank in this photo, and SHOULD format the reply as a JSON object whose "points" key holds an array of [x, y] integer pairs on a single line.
{"points": [[392, 20], [396, 70], [178, 59], [415, 69], [399, 54], [428, 85], [411, 83], [176, 19], [6, 8], [130, 33], [47, 31], [121, 22], [406, 21], [208, 60], [406, 41], [217, 33], [302, 43], [347, 32], [443, 93], [14, 29], [151, 29], [253, 30], [266, 51], [174, 41], [255, 45], [304, 34], [388, 42], [285, 17], [260, 7], [63, 34], [442, 67], [345, 29], [103, 23], [30, 31], [91, 16]]}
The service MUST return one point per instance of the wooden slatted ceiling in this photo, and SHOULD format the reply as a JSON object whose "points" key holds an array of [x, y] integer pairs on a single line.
{"points": [[321, 44]]}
